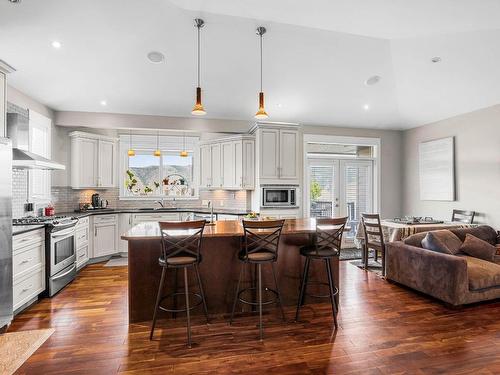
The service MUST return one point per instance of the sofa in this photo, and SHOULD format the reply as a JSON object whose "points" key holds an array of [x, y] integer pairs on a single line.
{"points": [[455, 279]]}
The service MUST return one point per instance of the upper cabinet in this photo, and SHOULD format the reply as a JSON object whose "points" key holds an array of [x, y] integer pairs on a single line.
{"points": [[4, 70], [278, 150], [93, 161], [228, 163]]}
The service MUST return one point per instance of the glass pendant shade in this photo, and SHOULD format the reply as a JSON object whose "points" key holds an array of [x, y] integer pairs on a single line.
{"points": [[261, 113], [131, 152], [198, 109], [157, 153], [183, 154]]}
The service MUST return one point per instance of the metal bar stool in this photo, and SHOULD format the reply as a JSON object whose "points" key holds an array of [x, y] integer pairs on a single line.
{"points": [[181, 243], [260, 246], [327, 243]]}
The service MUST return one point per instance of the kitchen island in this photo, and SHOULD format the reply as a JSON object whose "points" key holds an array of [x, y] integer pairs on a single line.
{"points": [[220, 266]]}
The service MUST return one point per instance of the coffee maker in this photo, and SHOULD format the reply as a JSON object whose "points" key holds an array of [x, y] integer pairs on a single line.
{"points": [[96, 201]]}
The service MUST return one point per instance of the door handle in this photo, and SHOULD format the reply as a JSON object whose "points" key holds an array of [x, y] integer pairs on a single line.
{"points": [[65, 273]]}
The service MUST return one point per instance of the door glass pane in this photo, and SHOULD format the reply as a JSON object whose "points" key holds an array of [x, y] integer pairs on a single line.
{"points": [[358, 192], [64, 249], [323, 191]]}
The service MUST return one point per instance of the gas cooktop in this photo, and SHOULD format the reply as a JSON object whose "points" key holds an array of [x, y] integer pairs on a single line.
{"points": [[41, 220]]}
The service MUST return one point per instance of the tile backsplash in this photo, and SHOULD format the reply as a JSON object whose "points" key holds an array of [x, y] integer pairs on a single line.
{"points": [[19, 192]]}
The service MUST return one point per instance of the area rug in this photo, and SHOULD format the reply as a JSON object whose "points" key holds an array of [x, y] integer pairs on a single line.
{"points": [[117, 262], [17, 347], [350, 254], [375, 267]]}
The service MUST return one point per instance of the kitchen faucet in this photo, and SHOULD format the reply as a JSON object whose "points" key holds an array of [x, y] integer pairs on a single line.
{"points": [[211, 206]]}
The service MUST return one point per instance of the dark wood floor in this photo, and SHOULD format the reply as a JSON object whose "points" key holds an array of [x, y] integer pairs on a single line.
{"points": [[384, 329]]}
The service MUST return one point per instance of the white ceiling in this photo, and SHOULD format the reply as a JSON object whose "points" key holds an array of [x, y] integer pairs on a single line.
{"points": [[314, 64]]}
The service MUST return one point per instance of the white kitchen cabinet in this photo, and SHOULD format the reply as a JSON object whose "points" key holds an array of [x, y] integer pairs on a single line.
{"points": [[279, 156], [93, 161], [40, 144], [82, 234], [4, 70], [125, 223], [155, 216], [228, 163], [28, 266], [105, 236]]}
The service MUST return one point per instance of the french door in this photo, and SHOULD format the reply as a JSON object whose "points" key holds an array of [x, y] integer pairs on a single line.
{"points": [[338, 188]]}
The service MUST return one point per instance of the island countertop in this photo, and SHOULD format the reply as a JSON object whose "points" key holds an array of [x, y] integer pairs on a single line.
{"points": [[230, 228]]}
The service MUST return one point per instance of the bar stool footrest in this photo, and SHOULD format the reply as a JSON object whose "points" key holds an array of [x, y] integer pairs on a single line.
{"points": [[335, 290], [265, 289], [172, 295]]}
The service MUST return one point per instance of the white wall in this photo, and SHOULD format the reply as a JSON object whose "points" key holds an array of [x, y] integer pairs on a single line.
{"points": [[477, 166]]}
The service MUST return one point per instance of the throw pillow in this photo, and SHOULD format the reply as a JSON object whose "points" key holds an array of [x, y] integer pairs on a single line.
{"points": [[477, 248], [442, 241]]}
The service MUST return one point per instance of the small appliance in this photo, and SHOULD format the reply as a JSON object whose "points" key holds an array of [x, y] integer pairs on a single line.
{"points": [[96, 200], [279, 196]]}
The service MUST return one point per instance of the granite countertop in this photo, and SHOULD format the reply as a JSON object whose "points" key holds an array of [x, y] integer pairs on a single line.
{"points": [[200, 210], [19, 229], [151, 230]]}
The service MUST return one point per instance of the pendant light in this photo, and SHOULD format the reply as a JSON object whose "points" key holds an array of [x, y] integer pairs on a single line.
{"points": [[131, 151], [198, 109], [157, 152], [183, 153], [261, 113]]}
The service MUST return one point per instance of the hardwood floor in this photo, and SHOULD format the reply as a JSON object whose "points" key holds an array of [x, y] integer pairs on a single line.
{"points": [[384, 329]]}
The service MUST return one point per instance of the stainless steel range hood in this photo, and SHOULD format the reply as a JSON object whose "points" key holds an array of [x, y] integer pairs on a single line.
{"points": [[18, 132]]}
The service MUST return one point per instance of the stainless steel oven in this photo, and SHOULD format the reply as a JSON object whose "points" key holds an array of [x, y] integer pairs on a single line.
{"points": [[279, 196], [61, 251]]}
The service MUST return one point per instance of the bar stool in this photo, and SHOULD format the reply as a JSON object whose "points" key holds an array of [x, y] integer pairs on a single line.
{"points": [[181, 243], [260, 246], [327, 243]]}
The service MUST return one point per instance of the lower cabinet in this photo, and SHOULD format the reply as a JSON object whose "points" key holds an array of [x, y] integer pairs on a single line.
{"points": [[125, 223], [82, 232], [160, 216], [28, 266], [105, 236]]}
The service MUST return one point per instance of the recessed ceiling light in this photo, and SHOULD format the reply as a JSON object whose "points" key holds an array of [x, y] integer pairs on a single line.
{"points": [[104, 103], [373, 80], [56, 44], [156, 57], [436, 59], [279, 105], [366, 107]]}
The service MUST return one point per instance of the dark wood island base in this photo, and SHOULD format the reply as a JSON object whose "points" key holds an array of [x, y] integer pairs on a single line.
{"points": [[219, 268]]}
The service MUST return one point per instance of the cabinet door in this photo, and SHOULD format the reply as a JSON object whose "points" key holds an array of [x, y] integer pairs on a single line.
{"points": [[39, 143], [206, 166], [87, 162], [289, 154], [3, 98], [228, 169], [106, 164], [238, 164], [248, 164], [269, 153], [105, 239], [216, 178], [125, 223]]}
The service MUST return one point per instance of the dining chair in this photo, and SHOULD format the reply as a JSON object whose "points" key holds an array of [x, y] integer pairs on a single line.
{"points": [[462, 216], [374, 238]]}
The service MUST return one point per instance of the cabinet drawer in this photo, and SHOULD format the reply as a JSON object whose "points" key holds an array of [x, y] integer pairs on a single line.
{"points": [[20, 241], [105, 219], [139, 218], [82, 256], [28, 258], [28, 287], [82, 237], [82, 222]]}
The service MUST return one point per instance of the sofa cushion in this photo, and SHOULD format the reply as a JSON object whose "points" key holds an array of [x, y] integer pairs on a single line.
{"points": [[478, 248], [481, 273], [442, 241], [484, 232]]}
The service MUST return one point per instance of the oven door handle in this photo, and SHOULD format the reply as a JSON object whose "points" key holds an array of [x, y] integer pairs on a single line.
{"points": [[65, 273], [63, 233]]}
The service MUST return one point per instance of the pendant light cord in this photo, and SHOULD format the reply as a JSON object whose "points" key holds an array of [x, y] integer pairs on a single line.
{"points": [[260, 62], [198, 27]]}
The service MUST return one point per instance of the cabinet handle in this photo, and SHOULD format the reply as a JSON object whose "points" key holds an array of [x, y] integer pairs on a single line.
{"points": [[81, 255], [26, 289], [26, 261], [130, 220], [95, 231]]}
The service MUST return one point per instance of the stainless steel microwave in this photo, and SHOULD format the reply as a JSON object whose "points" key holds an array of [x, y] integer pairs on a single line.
{"points": [[279, 196]]}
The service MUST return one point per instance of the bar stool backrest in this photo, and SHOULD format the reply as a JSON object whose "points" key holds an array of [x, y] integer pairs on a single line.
{"points": [[329, 233], [372, 229], [181, 238], [262, 236]]}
